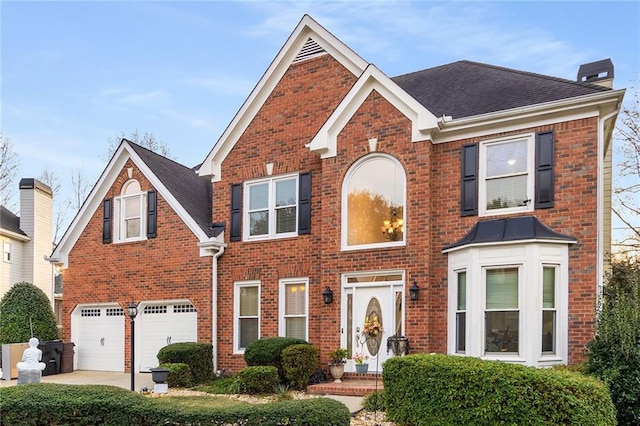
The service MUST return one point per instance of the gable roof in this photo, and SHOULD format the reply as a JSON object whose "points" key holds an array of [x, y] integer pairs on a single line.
{"points": [[513, 229], [10, 223], [190, 190], [186, 193], [465, 88]]}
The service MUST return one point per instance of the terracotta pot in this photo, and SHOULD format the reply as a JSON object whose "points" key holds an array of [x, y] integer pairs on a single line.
{"points": [[337, 371]]}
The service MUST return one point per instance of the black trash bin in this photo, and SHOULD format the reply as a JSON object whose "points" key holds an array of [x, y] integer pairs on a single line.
{"points": [[66, 361], [51, 352]]}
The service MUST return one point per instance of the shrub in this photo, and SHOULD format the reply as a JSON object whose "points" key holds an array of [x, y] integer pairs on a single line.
{"points": [[179, 374], [374, 401], [258, 379], [268, 351], [23, 308], [440, 389], [298, 363], [614, 354], [56, 404], [198, 356]]}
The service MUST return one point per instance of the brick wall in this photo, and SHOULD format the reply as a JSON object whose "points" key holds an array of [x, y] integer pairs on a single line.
{"points": [[166, 267]]}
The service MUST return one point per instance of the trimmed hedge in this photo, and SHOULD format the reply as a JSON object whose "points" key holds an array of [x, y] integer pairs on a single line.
{"points": [[258, 379], [268, 351], [445, 390], [179, 374], [49, 403], [25, 308], [198, 356], [299, 362]]}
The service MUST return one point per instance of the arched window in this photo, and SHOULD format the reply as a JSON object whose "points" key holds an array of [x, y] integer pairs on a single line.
{"points": [[130, 212], [373, 200]]}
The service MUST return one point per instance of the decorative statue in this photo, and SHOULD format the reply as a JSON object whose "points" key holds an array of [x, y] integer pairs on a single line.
{"points": [[30, 369]]}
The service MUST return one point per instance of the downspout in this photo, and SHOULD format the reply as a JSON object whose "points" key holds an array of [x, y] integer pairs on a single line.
{"points": [[600, 195], [214, 306]]}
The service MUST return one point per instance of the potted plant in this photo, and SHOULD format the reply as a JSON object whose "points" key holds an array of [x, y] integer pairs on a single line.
{"points": [[361, 362], [337, 359]]}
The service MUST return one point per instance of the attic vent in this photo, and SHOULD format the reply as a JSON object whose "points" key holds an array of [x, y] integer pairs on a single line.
{"points": [[309, 50]]}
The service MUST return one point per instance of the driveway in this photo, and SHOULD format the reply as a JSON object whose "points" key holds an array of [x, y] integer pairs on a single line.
{"points": [[83, 377]]}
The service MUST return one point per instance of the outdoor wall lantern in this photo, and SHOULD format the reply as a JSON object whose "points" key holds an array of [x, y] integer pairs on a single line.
{"points": [[414, 291], [327, 295], [133, 312]]}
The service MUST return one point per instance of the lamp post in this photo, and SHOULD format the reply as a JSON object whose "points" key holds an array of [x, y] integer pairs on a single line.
{"points": [[133, 311]]}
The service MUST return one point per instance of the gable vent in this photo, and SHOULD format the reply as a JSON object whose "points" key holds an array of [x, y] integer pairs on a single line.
{"points": [[311, 49]]}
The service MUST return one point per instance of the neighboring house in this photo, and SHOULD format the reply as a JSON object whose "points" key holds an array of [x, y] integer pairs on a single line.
{"points": [[483, 191], [27, 240]]}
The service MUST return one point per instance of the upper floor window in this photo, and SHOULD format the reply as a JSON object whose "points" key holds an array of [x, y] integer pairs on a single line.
{"points": [[6, 256], [129, 212], [508, 175], [506, 170], [271, 207], [373, 200]]}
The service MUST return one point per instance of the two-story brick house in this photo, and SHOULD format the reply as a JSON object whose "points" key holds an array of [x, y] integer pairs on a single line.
{"points": [[465, 207]]}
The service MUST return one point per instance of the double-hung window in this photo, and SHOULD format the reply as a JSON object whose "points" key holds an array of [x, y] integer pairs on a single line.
{"points": [[130, 208], [502, 315], [6, 252], [506, 175], [461, 312], [272, 207], [247, 314], [293, 308], [549, 320]]}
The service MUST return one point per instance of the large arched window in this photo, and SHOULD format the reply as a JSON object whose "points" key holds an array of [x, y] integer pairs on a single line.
{"points": [[130, 207], [373, 200]]}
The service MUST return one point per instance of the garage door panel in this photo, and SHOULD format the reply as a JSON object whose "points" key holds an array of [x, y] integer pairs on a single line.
{"points": [[100, 341]]}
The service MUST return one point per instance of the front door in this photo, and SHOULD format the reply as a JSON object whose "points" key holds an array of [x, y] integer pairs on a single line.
{"points": [[381, 301]]}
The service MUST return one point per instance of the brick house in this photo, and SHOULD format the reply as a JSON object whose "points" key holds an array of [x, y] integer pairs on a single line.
{"points": [[465, 207]]}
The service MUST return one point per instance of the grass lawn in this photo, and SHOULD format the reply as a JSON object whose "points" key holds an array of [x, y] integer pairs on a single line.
{"points": [[201, 401]]}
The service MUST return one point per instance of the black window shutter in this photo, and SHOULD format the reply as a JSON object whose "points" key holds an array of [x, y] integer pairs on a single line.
{"points": [[304, 204], [469, 183], [152, 214], [544, 178], [106, 221], [236, 212]]}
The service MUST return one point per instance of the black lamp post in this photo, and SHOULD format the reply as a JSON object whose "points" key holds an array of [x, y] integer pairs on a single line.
{"points": [[133, 311]]}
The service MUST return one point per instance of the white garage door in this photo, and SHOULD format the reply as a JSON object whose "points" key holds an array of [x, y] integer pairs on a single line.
{"points": [[161, 324], [100, 338]]}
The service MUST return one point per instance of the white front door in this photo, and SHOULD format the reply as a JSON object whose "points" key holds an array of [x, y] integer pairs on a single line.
{"points": [[375, 300]]}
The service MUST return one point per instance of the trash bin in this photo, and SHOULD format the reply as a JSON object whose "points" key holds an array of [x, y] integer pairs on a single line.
{"points": [[66, 361], [51, 351]]}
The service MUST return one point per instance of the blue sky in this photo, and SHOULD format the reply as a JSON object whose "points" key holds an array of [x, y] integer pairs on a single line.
{"points": [[75, 74]]}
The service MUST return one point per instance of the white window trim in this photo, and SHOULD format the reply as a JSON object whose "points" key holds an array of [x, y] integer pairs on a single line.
{"points": [[345, 185], [271, 208], [483, 335], [118, 213], [532, 257], [7, 248], [482, 180], [558, 296], [236, 312], [282, 329]]}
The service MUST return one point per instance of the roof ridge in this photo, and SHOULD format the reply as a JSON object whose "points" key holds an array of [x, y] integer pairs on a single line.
{"points": [[137, 145]]}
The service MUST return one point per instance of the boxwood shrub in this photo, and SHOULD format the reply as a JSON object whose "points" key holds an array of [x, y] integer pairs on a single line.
{"points": [[443, 390], [179, 374], [299, 362], [198, 356], [268, 351], [49, 403], [258, 379]]}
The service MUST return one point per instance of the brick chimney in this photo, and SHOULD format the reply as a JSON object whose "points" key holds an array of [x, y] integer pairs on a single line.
{"points": [[36, 220], [599, 72]]}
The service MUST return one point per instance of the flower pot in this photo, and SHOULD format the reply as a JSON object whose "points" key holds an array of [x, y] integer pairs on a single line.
{"points": [[337, 371], [362, 368]]}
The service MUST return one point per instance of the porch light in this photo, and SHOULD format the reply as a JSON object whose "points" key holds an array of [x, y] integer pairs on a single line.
{"points": [[327, 295], [414, 291]]}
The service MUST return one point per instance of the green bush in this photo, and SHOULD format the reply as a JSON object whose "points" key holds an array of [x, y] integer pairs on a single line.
{"points": [[198, 356], [614, 354], [179, 374], [258, 379], [268, 351], [298, 363], [23, 308], [374, 401], [440, 389], [56, 404]]}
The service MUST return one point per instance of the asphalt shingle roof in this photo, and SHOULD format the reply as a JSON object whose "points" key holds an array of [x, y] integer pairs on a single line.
{"points": [[192, 191], [10, 222], [465, 88]]}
